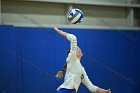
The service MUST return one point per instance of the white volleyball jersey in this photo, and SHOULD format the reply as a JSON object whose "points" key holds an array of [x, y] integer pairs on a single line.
{"points": [[75, 73]]}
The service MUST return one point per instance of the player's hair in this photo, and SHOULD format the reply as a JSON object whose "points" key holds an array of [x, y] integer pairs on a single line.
{"points": [[65, 65], [68, 51]]}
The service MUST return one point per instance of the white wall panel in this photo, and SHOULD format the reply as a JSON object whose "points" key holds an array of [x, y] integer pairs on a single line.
{"points": [[44, 13]]}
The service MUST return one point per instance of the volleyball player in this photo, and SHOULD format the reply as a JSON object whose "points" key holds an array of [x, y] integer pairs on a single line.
{"points": [[75, 72]]}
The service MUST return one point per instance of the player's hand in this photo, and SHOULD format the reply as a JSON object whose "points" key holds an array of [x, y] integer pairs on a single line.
{"points": [[64, 34], [107, 91], [56, 29], [99, 90], [59, 74]]}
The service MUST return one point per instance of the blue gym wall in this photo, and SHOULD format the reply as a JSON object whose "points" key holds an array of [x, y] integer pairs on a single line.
{"points": [[30, 58]]}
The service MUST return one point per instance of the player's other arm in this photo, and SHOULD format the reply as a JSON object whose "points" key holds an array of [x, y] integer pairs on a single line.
{"points": [[92, 87]]}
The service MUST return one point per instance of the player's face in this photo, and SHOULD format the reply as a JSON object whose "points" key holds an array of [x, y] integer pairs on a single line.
{"points": [[79, 52]]}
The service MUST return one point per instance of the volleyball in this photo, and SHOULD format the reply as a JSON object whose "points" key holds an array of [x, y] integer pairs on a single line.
{"points": [[75, 16]]}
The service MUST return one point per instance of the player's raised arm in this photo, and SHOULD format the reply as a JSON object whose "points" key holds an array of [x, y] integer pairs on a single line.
{"points": [[72, 38], [64, 34], [73, 43]]}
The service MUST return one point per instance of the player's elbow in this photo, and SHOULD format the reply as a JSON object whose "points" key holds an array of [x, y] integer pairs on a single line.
{"points": [[73, 38]]}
